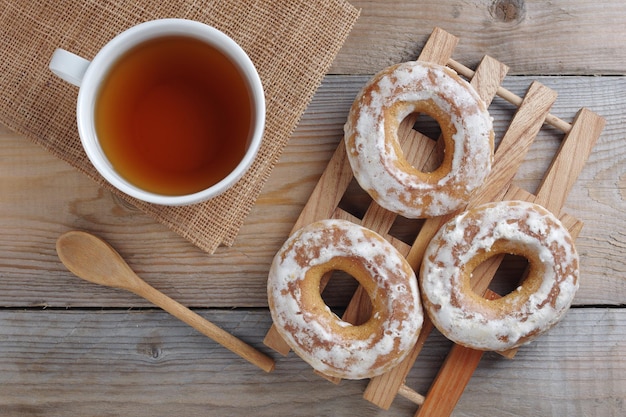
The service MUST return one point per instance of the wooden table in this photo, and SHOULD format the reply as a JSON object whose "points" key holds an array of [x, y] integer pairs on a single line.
{"points": [[70, 348]]}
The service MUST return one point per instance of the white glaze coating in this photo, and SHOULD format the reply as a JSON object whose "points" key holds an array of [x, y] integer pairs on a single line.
{"points": [[322, 339], [520, 316], [380, 167]]}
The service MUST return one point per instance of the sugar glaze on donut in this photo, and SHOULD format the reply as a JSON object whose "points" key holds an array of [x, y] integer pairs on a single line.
{"points": [[375, 155], [541, 300], [329, 344]]}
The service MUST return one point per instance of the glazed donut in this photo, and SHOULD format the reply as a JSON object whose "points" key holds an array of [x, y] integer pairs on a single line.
{"points": [[330, 345], [373, 148], [538, 303]]}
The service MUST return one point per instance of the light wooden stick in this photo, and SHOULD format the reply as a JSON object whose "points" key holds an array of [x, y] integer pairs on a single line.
{"points": [[512, 98], [411, 395]]}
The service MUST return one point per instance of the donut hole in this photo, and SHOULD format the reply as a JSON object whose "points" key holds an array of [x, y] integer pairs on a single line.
{"points": [[421, 139], [419, 135], [426, 125], [518, 273], [424, 146], [510, 274], [337, 294], [338, 287]]}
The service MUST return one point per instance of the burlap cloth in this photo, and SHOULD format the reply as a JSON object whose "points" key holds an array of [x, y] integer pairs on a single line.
{"points": [[291, 42]]}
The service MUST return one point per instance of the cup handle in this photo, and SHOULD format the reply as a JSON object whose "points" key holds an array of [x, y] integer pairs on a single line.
{"points": [[68, 66]]}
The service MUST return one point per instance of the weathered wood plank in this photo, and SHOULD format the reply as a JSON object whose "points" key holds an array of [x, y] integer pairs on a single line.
{"points": [[146, 363], [42, 197], [532, 36]]}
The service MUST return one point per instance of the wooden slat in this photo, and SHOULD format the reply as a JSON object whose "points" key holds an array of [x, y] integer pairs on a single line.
{"points": [[516, 142], [487, 78], [570, 160], [327, 194], [451, 380], [439, 47]]}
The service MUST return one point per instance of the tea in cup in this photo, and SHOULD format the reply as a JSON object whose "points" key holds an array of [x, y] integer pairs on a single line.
{"points": [[170, 112]]}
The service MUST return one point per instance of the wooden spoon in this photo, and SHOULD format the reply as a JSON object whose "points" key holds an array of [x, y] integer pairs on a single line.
{"points": [[94, 260]]}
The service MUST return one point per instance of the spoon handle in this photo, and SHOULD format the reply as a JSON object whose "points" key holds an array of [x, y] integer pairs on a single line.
{"points": [[204, 326]]}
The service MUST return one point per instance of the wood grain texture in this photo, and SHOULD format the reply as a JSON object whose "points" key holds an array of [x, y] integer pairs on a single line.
{"points": [[91, 352], [456, 370], [146, 363], [576, 36], [43, 197]]}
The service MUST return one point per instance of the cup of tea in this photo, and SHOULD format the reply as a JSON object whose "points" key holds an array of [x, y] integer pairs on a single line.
{"points": [[170, 111]]}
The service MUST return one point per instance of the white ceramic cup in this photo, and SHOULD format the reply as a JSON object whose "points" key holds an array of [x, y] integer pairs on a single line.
{"points": [[89, 76]]}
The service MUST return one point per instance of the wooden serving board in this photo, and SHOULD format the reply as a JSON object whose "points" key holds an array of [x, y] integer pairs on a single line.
{"points": [[531, 115]]}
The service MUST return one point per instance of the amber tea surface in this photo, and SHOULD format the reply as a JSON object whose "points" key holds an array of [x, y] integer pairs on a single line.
{"points": [[174, 116]]}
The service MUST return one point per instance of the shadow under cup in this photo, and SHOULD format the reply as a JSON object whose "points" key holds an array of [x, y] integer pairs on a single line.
{"points": [[175, 119]]}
